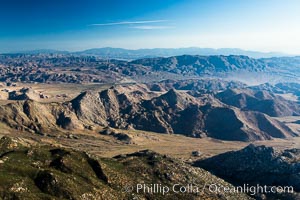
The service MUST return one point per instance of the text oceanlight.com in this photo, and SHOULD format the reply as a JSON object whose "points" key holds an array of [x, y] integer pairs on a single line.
{"points": [[213, 188]]}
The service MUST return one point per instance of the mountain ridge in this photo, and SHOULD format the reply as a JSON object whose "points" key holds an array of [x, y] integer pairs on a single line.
{"points": [[123, 53], [171, 112], [90, 69]]}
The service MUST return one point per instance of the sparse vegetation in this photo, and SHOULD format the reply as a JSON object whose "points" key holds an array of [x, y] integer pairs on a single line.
{"points": [[84, 135]]}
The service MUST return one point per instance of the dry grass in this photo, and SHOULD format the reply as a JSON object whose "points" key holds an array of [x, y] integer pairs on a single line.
{"points": [[289, 121], [173, 145]]}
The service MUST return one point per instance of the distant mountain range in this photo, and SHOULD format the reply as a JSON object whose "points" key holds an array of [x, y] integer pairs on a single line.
{"points": [[40, 51], [96, 69], [128, 54]]}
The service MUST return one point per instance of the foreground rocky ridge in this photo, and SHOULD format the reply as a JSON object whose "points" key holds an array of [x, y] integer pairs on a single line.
{"points": [[135, 107], [48, 172], [258, 165]]}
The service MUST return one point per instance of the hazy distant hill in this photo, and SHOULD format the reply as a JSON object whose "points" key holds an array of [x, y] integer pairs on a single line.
{"points": [[38, 67], [165, 52], [129, 54], [290, 64], [41, 51], [196, 65]]}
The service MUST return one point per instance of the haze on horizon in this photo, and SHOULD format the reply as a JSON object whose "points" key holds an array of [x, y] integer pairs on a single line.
{"points": [[267, 26]]}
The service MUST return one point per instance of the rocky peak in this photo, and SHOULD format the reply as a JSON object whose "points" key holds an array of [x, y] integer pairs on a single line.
{"points": [[259, 150], [256, 165]]}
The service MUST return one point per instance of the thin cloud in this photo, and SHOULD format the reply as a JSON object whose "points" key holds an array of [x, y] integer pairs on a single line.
{"points": [[152, 27], [129, 22]]}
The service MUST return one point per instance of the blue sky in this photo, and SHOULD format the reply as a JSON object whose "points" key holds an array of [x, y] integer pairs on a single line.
{"points": [[263, 25]]}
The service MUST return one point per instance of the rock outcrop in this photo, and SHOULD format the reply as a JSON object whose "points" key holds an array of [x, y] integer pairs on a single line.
{"points": [[257, 165], [47, 172]]}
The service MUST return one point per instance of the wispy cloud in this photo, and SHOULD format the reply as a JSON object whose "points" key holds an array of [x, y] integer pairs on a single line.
{"points": [[129, 22], [152, 27]]}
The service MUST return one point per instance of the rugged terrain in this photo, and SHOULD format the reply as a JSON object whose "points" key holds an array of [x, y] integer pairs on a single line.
{"points": [[127, 54], [70, 68], [49, 172], [257, 165], [261, 100], [135, 107], [63, 110]]}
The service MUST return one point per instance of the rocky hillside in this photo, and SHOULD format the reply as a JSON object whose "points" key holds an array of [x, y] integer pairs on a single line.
{"points": [[196, 65], [120, 53], [261, 100], [280, 88], [289, 65], [257, 165], [31, 171], [135, 107], [196, 86], [72, 68]]}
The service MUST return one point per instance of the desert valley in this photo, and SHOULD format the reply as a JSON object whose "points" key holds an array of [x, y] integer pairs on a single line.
{"points": [[71, 119]]}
